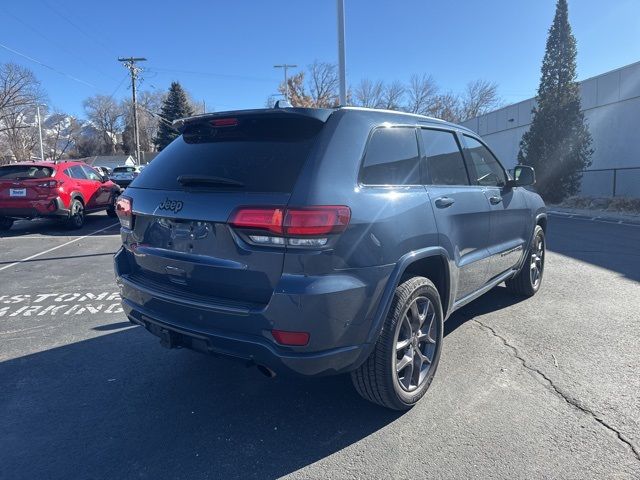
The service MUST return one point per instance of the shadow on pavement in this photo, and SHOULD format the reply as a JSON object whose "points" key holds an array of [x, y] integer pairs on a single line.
{"points": [[494, 300], [606, 245], [55, 228], [67, 257], [120, 406]]}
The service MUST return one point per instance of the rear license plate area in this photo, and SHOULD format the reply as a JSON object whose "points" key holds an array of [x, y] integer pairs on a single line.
{"points": [[17, 192]]}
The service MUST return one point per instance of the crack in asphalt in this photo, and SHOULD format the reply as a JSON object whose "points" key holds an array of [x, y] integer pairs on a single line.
{"points": [[568, 399]]}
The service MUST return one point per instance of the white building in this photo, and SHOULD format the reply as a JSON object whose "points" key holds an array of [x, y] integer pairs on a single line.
{"points": [[611, 104]]}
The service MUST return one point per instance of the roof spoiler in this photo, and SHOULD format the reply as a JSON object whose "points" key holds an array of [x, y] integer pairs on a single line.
{"points": [[321, 114]]}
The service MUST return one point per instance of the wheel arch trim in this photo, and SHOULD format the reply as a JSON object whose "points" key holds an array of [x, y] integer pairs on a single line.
{"points": [[394, 280]]}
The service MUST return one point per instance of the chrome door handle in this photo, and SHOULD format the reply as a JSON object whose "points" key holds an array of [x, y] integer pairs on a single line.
{"points": [[495, 200], [444, 202]]}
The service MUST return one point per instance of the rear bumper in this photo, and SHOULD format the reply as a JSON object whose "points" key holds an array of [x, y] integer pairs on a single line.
{"points": [[51, 207], [250, 349], [336, 311], [122, 183]]}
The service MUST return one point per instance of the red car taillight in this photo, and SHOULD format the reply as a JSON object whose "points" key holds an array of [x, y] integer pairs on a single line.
{"points": [[49, 184], [124, 211], [292, 226]]}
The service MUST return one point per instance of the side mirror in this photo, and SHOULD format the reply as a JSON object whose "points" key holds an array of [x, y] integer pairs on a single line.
{"points": [[523, 176]]}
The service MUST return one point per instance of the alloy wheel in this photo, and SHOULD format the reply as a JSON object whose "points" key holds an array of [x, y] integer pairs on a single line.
{"points": [[78, 212], [415, 341], [537, 261]]}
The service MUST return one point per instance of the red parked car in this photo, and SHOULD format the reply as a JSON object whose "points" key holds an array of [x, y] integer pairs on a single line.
{"points": [[64, 190]]}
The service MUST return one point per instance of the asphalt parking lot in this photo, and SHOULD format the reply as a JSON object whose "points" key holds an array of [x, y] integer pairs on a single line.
{"points": [[543, 388]]}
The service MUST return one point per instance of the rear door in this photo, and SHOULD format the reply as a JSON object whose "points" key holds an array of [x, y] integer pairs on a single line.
{"points": [[461, 209], [102, 191], [510, 230], [89, 189], [183, 201]]}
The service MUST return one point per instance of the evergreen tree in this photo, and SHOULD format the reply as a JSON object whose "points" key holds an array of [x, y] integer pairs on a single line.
{"points": [[175, 106], [558, 144]]}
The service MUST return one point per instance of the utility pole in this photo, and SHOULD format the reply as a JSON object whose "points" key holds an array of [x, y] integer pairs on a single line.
{"points": [[341, 54], [286, 67], [134, 70], [40, 132]]}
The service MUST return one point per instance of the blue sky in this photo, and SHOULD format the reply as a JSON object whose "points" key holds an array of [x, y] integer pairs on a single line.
{"points": [[223, 52]]}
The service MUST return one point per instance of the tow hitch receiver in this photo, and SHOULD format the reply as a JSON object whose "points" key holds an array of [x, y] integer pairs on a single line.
{"points": [[168, 339]]}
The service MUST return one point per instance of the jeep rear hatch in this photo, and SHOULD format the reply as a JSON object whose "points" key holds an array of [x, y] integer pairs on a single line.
{"points": [[182, 203]]}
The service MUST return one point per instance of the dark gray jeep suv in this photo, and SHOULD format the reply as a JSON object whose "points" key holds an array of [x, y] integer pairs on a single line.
{"points": [[324, 241]]}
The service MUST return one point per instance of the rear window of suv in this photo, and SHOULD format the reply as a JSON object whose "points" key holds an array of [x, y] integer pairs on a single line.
{"points": [[255, 154], [124, 169], [13, 172], [391, 158]]}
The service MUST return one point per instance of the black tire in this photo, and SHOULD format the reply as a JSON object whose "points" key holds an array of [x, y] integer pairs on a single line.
{"points": [[378, 378], [76, 215], [111, 209], [526, 283], [5, 223]]}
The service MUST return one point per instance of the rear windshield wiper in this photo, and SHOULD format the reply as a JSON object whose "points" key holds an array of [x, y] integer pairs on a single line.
{"points": [[208, 180]]}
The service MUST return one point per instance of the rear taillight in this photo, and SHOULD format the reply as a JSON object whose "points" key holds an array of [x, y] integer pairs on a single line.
{"points": [[124, 212], [316, 220], [259, 219], [297, 227], [49, 184]]}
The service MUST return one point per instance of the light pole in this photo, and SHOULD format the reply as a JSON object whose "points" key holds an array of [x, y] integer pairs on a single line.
{"points": [[40, 132], [286, 67], [341, 54]]}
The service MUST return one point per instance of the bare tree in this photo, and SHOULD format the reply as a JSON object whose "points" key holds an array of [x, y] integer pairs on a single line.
{"points": [[149, 108], [323, 84], [446, 106], [393, 96], [20, 131], [421, 91], [317, 87], [369, 94], [480, 97], [107, 116], [60, 131], [19, 90]]}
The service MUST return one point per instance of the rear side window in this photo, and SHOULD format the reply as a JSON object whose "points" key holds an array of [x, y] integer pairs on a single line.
{"points": [[391, 158], [255, 154], [75, 172], [445, 164], [13, 172], [91, 173]]}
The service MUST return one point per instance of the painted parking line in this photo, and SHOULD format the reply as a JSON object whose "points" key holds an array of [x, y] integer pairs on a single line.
{"points": [[56, 247]]}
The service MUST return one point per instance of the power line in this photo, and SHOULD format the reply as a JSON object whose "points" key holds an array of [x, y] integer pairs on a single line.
{"points": [[210, 74], [56, 43], [106, 49], [76, 79], [134, 70]]}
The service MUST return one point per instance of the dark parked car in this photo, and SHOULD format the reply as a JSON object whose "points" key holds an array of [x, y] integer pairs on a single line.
{"points": [[124, 175], [65, 190], [324, 241]]}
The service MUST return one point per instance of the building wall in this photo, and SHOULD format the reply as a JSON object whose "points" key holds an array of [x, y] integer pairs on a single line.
{"points": [[611, 103]]}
